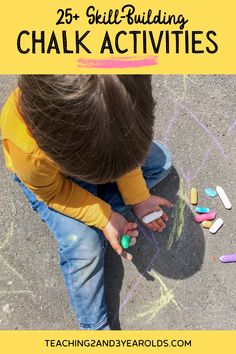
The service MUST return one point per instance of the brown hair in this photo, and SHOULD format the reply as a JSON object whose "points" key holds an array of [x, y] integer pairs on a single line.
{"points": [[95, 127]]}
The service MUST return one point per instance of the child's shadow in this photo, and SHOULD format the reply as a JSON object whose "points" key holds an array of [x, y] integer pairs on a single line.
{"points": [[176, 253]]}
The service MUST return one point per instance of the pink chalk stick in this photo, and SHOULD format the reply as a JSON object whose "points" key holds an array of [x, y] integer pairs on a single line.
{"points": [[205, 217]]}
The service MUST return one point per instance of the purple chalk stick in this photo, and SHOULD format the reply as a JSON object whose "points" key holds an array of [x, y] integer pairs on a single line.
{"points": [[228, 258]]}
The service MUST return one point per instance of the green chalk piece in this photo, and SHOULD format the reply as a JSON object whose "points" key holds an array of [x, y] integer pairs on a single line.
{"points": [[125, 241]]}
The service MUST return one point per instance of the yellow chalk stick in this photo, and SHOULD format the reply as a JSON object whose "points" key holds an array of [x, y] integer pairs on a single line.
{"points": [[194, 196], [207, 224]]}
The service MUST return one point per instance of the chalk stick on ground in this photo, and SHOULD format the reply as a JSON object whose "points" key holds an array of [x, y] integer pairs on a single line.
{"points": [[216, 226], [210, 192], [194, 196], [223, 197], [227, 258]]}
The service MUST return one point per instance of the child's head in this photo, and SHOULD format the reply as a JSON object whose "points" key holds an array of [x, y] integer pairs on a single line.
{"points": [[95, 127]]}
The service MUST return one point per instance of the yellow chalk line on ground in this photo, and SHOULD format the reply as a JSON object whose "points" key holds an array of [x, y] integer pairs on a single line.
{"points": [[167, 296], [179, 208]]}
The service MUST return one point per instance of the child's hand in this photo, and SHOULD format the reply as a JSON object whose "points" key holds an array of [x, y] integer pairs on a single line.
{"points": [[117, 226], [149, 206]]}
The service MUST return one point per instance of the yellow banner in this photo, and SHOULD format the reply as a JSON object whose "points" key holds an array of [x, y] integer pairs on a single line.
{"points": [[194, 342], [161, 37]]}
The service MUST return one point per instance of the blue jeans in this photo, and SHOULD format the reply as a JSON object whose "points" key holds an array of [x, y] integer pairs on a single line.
{"points": [[82, 248]]}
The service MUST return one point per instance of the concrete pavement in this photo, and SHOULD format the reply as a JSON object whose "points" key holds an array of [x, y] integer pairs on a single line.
{"points": [[175, 280]]}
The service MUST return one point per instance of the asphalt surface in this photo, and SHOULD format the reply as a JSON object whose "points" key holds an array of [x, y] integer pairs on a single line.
{"points": [[175, 280]]}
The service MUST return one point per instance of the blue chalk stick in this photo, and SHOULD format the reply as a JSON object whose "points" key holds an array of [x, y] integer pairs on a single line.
{"points": [[201, 210], [210, 192]]}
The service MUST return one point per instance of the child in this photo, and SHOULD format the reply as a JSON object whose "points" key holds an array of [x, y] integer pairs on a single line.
{"points": [[80, 146]]}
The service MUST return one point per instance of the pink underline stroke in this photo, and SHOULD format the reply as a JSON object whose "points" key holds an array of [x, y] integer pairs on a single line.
{"points": [[125, 62]]}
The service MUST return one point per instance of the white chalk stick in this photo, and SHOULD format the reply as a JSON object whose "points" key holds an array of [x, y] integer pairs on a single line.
{"points": [[217, 224], [132, 241], [223, 197], [152, 216]]}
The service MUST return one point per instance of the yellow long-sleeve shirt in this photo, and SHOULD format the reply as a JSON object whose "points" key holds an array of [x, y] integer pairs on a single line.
{"points": [[43, 177]]}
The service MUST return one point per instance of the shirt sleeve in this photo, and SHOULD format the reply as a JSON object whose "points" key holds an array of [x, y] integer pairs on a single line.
{"points": [[133, 188], [58, 192]]}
